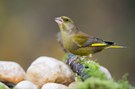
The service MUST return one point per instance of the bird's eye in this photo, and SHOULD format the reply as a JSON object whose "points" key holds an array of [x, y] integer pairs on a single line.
{"points": [[66, 19]]}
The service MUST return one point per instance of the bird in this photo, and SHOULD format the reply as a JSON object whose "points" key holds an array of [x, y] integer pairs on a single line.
{"points": [[76, 42]]}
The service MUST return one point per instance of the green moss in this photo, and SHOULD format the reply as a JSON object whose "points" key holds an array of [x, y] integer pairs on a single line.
{"points": [[65, 57], [92, 69], [84, 67], [93, 78], [96, 83]]}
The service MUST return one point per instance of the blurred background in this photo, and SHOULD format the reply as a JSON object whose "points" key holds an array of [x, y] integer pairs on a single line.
{"points": [[28, 30]]}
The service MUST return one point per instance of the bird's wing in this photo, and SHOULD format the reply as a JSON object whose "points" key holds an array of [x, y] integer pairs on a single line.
{"points": [[80, 38], [83, 40]]}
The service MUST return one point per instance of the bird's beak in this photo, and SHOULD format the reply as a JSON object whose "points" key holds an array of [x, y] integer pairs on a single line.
{"points": [[59, 20]]}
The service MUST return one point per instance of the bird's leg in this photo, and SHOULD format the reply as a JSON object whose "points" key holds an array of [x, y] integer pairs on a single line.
{"points": [[74, 59], [87, 57], [84, 58], [90, 55]]}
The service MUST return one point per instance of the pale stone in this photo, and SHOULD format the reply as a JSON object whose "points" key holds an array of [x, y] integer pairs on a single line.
{"points": [[47, 69], [25, 85], [11, 72], [106, 71], [54, 86], [72, 85]]}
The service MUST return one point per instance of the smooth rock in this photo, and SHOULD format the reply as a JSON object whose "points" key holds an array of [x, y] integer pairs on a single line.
{"points": [[72, 85], [54, 86], [11, 72], [106, 71], [25, 85], [47, 69]]}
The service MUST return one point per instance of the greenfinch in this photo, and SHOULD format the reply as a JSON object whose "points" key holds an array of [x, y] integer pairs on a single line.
{"points": [[76, 42]]}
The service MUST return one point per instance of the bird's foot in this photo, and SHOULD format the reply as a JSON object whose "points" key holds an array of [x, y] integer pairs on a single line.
{"points": [[90, 55], [75, 58], [86, 58]]}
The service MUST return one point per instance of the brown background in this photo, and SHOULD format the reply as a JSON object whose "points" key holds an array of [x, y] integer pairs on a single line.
{"points": [[28, 30]]}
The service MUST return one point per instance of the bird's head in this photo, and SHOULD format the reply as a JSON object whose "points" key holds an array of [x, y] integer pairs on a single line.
{"points": [[65, 23]]}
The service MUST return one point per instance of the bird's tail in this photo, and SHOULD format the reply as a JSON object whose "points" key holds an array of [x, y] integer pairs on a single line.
{"points": [[107, 45], [113, 45]]}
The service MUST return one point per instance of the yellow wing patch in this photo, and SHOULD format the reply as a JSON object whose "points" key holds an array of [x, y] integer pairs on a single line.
{"points": [[98, 44]]}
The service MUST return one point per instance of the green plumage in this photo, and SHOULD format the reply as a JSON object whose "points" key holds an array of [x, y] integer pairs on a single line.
{"points": [[74, 41]]}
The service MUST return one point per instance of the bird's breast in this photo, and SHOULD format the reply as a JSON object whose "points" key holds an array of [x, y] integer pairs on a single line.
{"points": [[67, 41]]}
